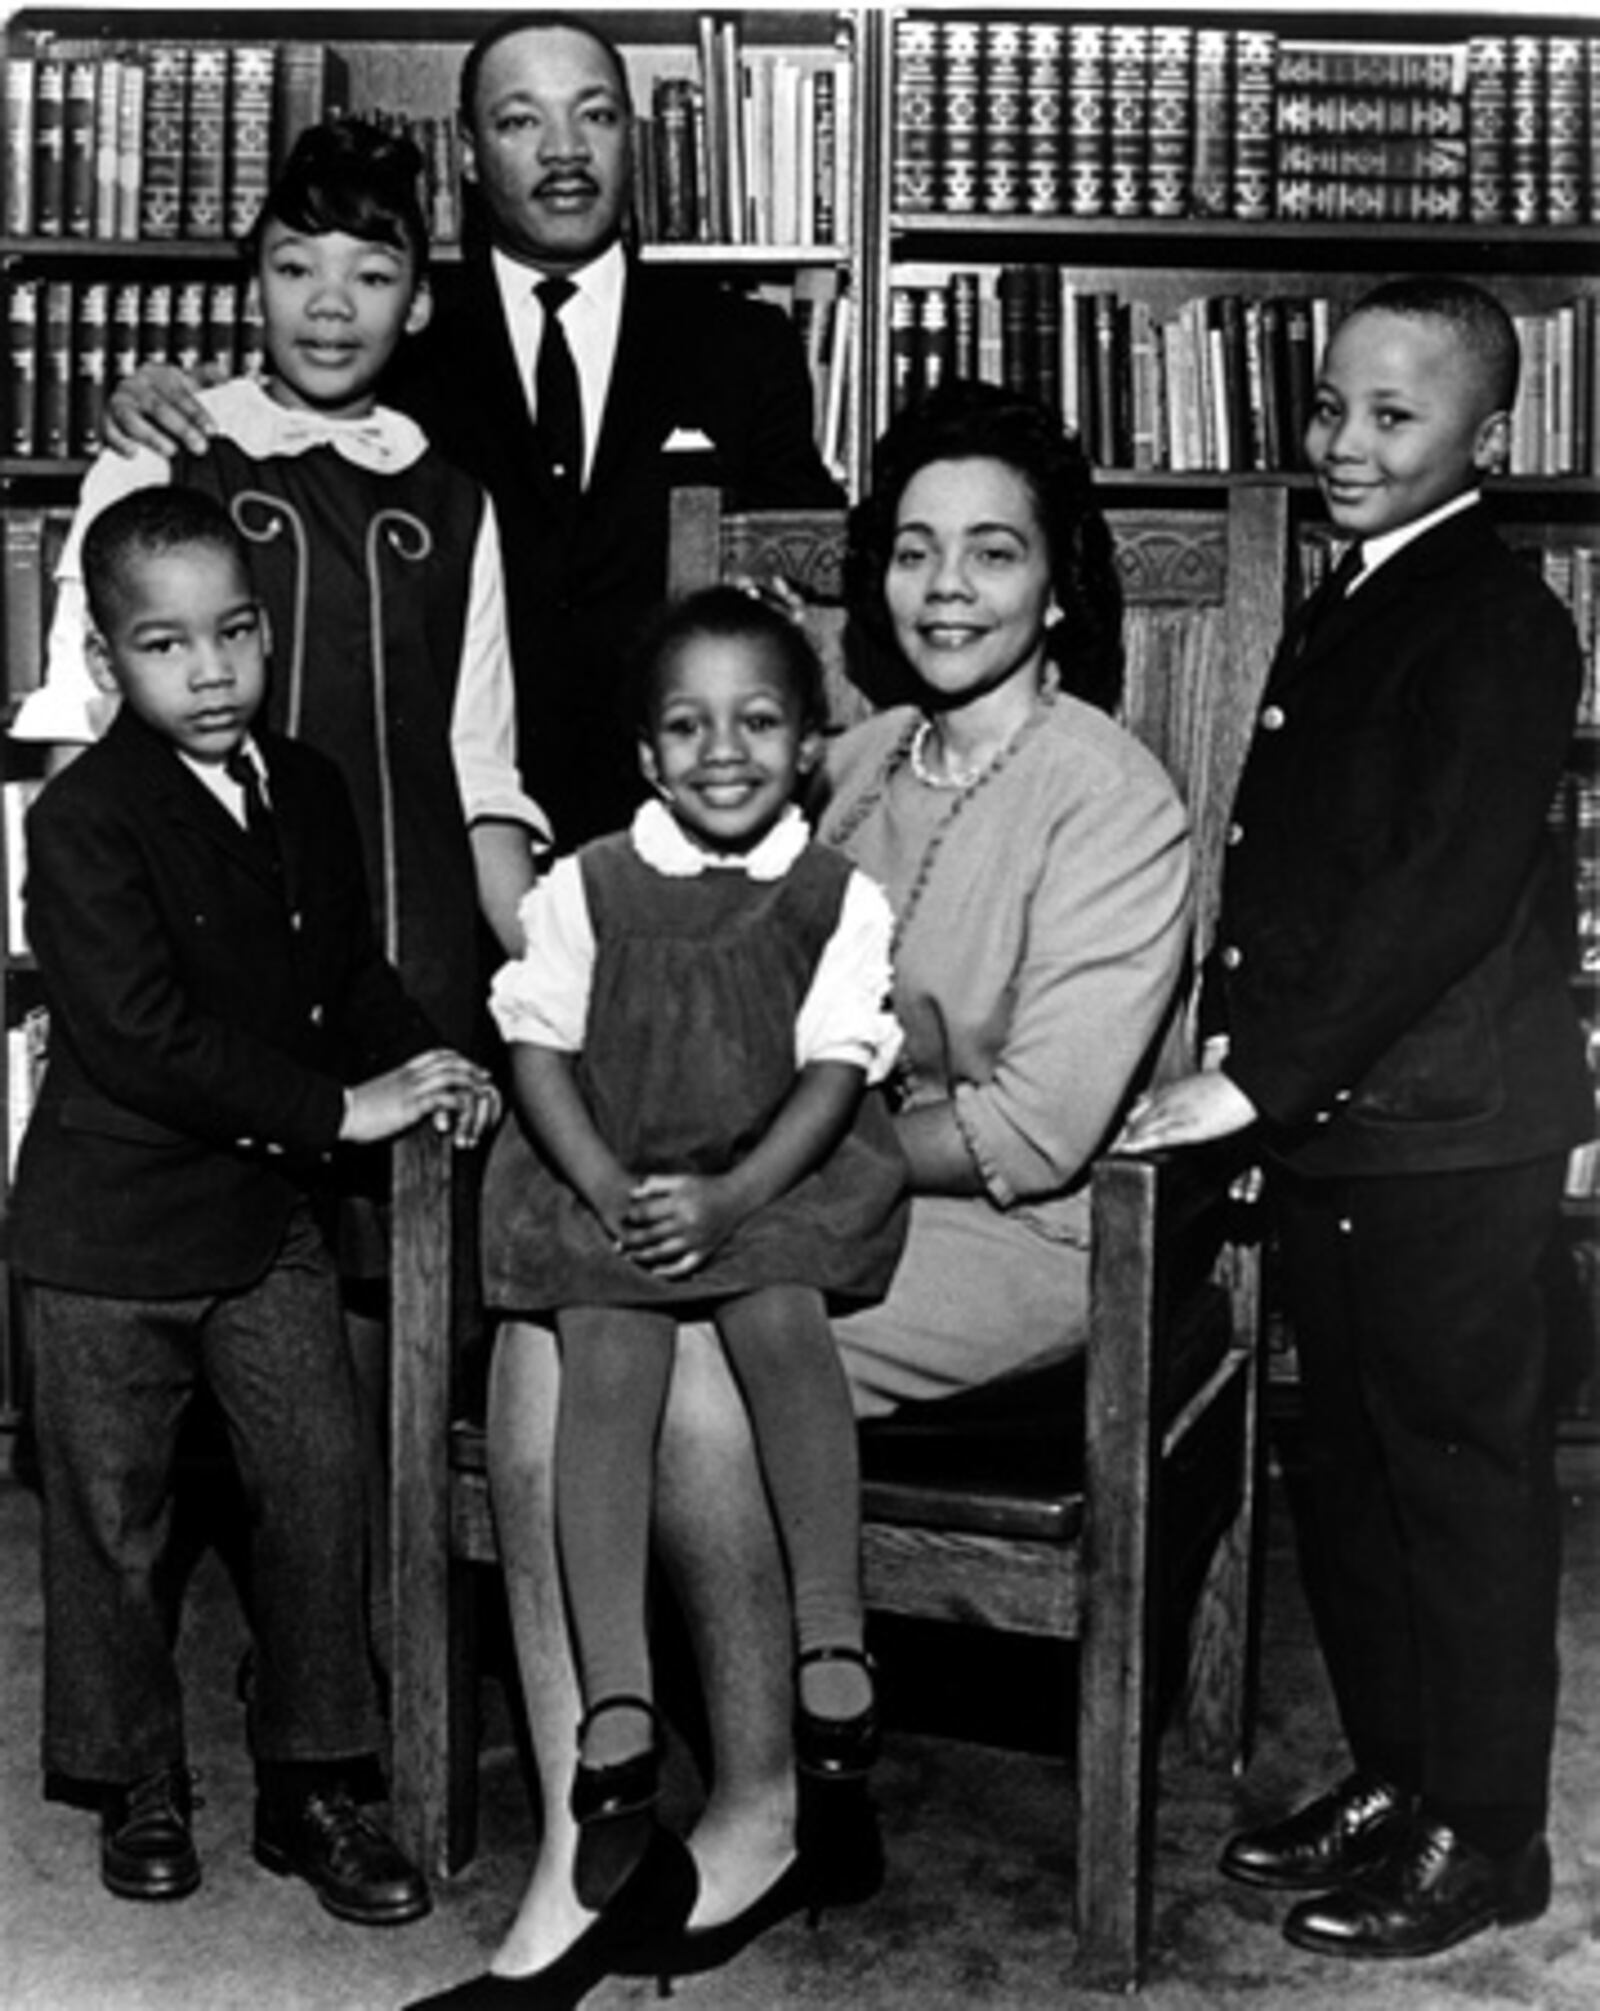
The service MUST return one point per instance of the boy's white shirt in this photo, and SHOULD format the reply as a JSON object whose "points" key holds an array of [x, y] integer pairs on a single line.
{"points": [[543, 996], [1376, 551], [70, 707]]}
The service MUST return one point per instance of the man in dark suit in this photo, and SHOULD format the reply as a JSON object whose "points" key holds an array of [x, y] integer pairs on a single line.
{"points": [[677, 379], [1392, 1012], [220, 1018]]}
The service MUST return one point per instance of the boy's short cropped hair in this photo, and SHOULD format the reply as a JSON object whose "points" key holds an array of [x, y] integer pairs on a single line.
{"points": [[349, 175], [1475, 318], [146, 524]]}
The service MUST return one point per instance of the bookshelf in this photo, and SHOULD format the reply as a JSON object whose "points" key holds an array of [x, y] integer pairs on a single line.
{"points": [[1179, 186]]}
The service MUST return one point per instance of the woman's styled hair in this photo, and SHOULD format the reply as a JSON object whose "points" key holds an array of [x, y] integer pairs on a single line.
{"points": [[966, 421], [728, 614], [349, 175]]}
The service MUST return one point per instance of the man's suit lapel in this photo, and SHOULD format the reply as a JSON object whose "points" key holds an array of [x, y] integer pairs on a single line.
{"points": [[181, 798], [643, 370]]}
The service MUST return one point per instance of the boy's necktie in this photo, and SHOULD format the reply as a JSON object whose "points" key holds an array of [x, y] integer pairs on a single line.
{"points": [[558, 410], [1334, 590], [258, 819]]}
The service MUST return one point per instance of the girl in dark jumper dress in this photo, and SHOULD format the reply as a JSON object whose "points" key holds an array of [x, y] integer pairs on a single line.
{"points": [[698, 1007]]}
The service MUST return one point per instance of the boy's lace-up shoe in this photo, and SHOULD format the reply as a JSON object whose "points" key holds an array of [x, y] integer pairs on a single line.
{"points": [[353, 1866], [1436, 1890], [1328, 1843], [146, 1850]]}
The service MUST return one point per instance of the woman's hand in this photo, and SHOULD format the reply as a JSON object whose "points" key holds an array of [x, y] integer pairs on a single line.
{"points": [[159, 407], [676, 1221], [1186, 1112]]}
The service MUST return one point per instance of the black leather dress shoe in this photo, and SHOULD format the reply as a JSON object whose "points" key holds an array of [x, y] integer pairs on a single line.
{"points": [[354, 1868], [1431, 1893], [146, 1851], [1338, 1837]]}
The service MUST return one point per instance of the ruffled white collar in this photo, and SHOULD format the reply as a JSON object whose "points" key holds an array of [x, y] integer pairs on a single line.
{"points": [[661, 843], [384, 441]]}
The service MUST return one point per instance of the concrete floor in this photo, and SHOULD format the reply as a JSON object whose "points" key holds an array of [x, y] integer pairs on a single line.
{"points": [[974, 1913]]}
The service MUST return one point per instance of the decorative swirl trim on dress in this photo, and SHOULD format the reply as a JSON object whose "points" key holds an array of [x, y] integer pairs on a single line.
{"points": [[410, 540]]}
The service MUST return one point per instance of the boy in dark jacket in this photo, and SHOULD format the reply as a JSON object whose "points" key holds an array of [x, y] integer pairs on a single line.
{"points": [[220, 1019], [1391, 1011]]}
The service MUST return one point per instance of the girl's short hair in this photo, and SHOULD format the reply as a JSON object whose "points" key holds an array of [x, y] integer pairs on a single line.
{"points": [[349, 175], [732, 614], [964, 420]]}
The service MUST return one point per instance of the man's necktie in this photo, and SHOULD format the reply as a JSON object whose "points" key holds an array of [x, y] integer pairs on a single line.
{"points": [[258, 819], [558, 409]]}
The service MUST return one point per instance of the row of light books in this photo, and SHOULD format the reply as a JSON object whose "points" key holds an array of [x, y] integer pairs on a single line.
{"points": [[1064, 117], [1217, 381]]}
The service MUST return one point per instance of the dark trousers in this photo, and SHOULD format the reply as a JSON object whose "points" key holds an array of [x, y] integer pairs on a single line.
{"points": [[113, 1379], [1433, 1531]]}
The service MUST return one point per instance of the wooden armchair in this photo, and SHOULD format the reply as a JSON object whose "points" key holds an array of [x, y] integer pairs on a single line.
{"points": [[1112, 1502]]}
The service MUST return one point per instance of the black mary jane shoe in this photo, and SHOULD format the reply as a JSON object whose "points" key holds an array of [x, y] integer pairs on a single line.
{"points": [[614, 1807], [648, 1911], [836, 1749]]}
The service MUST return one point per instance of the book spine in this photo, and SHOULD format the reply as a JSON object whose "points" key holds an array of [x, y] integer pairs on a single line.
{"points": [[1004, 120], [1369, 116], [1105, 335], [1369, 66], [155, 322], [55, 371], [251, 75], [1044, 315], [1211, 155], [825, 213], [205, 158], [222, 325], [1488, 128], [107, 111], [90, 351], [81, 95], [1016, 334], [1127, 119], [300, 96], [958, 118], [1525, 146], [677, 192], [130, 146], [24, 625], [166, 109], [21, 79], [1088, 165], [1382, 160], [1171, 120], [1044, 84], [916, 147], [1592, 103], [23, 299], [189, 325], [932, 342], [49, 147], [962, 292], [1565, 126], [1254, 56], [904, 317], [1305, 199]]}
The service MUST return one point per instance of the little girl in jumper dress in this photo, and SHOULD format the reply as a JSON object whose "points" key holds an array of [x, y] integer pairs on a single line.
{"points": [[694, 1025]]}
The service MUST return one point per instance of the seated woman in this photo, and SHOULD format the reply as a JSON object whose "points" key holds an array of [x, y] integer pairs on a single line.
{"points": [[1037, 859]]}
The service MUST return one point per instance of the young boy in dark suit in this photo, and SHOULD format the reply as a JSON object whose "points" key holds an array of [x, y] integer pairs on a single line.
{"points": [[1390, 1009], [220, 1019]]}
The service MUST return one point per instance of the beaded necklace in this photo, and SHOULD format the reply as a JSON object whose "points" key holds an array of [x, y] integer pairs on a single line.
{"points": [[875, 794]]}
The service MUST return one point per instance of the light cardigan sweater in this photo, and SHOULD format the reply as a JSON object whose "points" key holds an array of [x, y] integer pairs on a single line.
{"points": [[1041, 952]]}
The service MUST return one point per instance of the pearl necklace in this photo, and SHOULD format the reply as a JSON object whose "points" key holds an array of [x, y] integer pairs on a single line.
{"points": [[953, 777], [873, 798]]}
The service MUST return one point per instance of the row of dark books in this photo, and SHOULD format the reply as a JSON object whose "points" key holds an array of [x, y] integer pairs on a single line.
{"points": [[34, 535], [67, 340], [1215, 382], [1047, 117], [153, 140]]}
